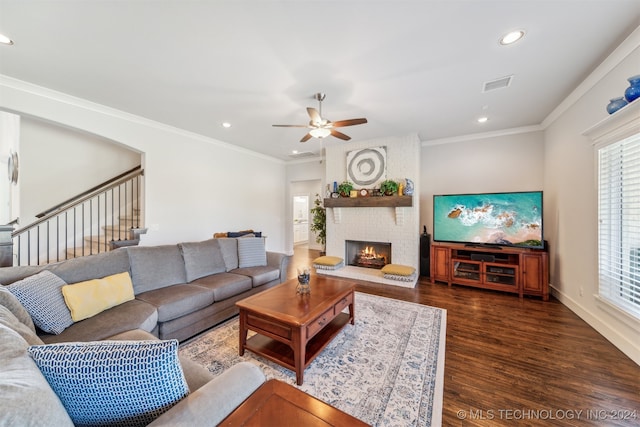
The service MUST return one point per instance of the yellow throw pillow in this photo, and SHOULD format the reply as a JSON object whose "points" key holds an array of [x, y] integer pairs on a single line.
{"points": [[328, 260], [398, 270], [86, 299]]}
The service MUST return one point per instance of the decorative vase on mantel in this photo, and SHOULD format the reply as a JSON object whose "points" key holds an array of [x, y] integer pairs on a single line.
{"points": [[615, 104], [633, 91]]}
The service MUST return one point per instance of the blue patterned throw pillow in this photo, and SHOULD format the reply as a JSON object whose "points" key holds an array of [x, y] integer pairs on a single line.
{"points": [[41, 295], [113, 382]]}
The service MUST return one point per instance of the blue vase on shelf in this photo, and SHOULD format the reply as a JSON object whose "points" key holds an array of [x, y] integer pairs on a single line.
{"points": [[615, 104], [633, 91]]}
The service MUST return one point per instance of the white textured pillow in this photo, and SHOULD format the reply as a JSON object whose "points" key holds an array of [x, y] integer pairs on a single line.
{"points": [[251, 252], [41, 295]]}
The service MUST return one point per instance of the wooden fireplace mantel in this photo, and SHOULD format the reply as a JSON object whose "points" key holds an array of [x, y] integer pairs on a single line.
{"points": [[369, 202], [397, 202]]}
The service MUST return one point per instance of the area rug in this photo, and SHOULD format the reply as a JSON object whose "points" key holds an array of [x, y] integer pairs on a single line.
{"points": [[386, 370]]}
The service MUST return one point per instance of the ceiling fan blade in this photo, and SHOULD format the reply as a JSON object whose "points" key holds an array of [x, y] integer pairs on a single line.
{"points": [[306, 138], [350, 122], [291, 126], [340, 135], [314, 115]]}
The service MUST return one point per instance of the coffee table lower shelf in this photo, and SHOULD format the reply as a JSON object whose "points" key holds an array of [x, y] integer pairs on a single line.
{"points": [[282, 354]]}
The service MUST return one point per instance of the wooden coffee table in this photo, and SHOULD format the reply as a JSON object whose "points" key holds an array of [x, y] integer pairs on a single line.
{"points": [[291, 329], [277, 403]]}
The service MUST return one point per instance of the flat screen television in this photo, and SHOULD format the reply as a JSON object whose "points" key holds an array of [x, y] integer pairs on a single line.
{"points": [[506, 219]]}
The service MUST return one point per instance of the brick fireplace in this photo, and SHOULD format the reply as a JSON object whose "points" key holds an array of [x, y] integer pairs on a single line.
{"points": [[397, 227]]}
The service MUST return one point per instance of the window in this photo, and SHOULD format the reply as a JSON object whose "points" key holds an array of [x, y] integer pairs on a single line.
{"points": [[619, 223]]}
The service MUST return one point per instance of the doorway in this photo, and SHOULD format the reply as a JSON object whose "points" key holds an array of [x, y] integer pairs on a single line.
{"points": [[300, 219]]}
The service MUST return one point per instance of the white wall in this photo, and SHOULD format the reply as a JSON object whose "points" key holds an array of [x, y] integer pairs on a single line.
{"points": [[194, 186], [485, 164], [571, 200], [57, 163]]}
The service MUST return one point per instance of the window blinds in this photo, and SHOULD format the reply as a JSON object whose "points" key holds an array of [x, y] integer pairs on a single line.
{"points": [[619, 223]]}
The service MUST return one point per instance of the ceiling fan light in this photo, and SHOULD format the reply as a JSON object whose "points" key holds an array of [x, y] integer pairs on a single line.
{"points": [[320, 132]]}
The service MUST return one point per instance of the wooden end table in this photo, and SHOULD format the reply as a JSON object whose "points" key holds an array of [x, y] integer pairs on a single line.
{"points": [[291, 329], [277, 403]]}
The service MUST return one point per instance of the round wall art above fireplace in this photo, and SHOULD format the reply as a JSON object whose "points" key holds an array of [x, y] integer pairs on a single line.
{"points": [[367, 167]]}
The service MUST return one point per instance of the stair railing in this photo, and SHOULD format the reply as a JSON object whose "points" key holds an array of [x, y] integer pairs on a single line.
{"points": [[83, 225]]}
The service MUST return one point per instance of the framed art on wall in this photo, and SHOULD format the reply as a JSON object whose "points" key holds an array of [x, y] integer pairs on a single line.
{"points": [[367, 167]]}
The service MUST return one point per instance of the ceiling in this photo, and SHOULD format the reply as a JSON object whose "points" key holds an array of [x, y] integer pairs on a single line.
{"points": [[407, 66]]}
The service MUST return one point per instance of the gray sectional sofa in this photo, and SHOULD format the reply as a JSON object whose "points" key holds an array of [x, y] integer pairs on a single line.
{"points": [[179, 291]]}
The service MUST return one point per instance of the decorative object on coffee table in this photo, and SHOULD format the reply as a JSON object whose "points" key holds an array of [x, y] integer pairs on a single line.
{"points": [[303, 281]]}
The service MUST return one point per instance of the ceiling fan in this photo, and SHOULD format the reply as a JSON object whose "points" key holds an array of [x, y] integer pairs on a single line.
{"points": [[321, 127]]}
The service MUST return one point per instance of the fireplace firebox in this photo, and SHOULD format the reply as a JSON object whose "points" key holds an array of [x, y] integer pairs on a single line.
{"points": [[367, 254]]}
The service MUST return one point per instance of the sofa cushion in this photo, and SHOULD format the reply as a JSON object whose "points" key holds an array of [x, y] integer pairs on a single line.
{"points": [[202, 259], [27, 399], [229, 248], [132, 314], [251, 252], [177, 300], [259, 275], [111, 382], [9, 320], [40, 294], [225, 285], [9, 300], [154, 267], [86, 299], [92, 266]]}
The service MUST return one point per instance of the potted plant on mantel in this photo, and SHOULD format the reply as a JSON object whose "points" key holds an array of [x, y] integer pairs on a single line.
{"points": [[319, 222], [389, 187], [345, 188]]}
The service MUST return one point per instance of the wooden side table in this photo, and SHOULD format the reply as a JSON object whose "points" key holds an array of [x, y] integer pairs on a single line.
{"points": [[277, 403]]}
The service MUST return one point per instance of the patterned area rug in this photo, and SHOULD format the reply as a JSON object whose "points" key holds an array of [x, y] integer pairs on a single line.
{"points": [[386, 370]]}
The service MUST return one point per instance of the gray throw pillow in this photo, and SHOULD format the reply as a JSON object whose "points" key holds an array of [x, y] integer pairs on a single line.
{"points": [[41, 295], [229, 247], [251, 252], [202, 259]]}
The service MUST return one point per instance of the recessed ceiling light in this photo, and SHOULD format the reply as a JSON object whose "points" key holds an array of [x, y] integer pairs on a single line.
{"points": [[512, 37], [5, 40], [226, 125], [482, 119], [294, 152]]}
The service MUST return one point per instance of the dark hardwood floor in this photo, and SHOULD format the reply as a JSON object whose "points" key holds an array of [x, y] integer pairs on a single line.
{"points": [[525, 362]]}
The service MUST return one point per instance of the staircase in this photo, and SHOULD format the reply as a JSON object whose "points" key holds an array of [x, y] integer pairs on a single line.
{"points": [[126, 232], [100, 219]]}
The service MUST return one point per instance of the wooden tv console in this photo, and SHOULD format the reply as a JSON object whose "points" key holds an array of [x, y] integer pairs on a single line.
{"points": [[510, 269]]}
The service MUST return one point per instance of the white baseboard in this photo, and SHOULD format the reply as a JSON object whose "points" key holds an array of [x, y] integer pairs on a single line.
{"points": [[623, 343]]}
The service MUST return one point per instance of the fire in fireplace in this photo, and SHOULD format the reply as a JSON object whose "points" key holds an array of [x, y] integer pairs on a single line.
{"points": [[368, 254]]}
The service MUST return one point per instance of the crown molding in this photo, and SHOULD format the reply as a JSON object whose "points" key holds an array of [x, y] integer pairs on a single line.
{"points": [[60, 97]]}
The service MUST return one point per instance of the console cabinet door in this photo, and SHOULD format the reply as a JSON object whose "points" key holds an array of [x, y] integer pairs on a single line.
{"points": [[439, 263], [532, 274]]}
